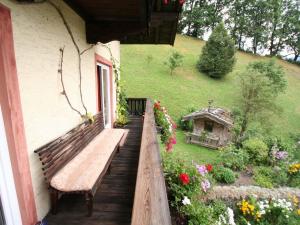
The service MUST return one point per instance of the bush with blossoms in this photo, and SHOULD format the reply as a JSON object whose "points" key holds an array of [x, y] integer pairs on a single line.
{"points": [[186, 181], [166, 124], [279, 211]]}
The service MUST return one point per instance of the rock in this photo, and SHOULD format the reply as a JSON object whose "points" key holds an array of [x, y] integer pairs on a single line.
{"points": [[235, 192]]}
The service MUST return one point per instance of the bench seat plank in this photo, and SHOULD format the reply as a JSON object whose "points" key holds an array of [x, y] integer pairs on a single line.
{"points": [[83, 171]]}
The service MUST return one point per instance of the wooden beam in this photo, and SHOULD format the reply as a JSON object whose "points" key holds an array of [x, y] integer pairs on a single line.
{"points": [[84, 15], [106, 31], [150, 200], [164, 16]]}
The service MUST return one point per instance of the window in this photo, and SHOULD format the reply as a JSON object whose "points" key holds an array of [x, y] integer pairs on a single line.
{"points": [[208, 126]]}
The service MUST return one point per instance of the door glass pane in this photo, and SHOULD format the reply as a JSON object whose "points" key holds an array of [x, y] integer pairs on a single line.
{"points": [[105, 96], [2, 221]]}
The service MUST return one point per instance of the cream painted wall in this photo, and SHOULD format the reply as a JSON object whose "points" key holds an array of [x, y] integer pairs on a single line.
{"points": [[38, 35]]}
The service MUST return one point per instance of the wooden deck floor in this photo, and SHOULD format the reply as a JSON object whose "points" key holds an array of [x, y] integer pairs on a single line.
{"points": [[114, 199]]}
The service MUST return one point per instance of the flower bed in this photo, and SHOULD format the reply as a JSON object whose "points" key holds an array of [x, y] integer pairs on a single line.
{"points": [[186, 181], [167, 125]]}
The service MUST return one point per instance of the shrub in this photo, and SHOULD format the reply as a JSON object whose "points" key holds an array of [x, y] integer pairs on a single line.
{"points": [[267, 212], [217, 58], [186, 125], [263, 177], [200, 213], [224, 175], [122, 109], [234, 158], [174, 167], [269, 177], [257, 150], [174, 61]]}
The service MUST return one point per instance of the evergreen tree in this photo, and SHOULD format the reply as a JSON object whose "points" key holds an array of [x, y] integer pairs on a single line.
{"points": [[217, 58]]}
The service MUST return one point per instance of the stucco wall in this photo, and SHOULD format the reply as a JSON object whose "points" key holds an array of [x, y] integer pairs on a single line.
{"points": [[39, 33]]}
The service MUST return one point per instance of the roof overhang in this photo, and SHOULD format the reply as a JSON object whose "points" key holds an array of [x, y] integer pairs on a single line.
{"points": [[130, 21], [195, 116]]}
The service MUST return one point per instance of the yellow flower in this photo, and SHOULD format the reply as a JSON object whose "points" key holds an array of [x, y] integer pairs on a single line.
{"points": [[298, 212], [246, 208], [257, 216], [295, 200], [294, 168]]}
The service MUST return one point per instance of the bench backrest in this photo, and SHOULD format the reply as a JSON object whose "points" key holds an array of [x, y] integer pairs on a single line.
{"points": [[57, 153]]}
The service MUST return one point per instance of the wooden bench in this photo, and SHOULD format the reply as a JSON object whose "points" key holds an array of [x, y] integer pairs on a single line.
{"points": [[77, 161]]}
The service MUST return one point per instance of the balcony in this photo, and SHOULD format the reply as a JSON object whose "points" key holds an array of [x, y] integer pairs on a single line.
{"points": [[134, 191]]}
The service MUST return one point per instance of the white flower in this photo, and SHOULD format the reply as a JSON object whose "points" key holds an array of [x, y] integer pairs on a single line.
{"points": [[186, 201], [230, 216]]}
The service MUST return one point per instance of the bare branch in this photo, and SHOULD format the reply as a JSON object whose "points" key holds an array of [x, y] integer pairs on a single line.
{"points": [[60, 71]]}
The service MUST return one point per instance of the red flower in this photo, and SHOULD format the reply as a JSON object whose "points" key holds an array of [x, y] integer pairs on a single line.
{"points": [[185, 179], [169, 147], [181, 2], [209, 167], [157, 105], [172, 140]]}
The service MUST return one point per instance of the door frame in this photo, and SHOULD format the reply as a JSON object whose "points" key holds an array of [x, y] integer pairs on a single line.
{"points": [[103, 95], [101, 60], [10, 102], [8, 192]]}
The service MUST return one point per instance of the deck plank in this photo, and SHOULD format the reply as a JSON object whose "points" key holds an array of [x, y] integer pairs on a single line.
{"points": [[113, 201]]}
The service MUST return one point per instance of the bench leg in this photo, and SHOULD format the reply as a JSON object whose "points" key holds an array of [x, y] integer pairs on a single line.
{"points": [[54, 201], [89, 203]]}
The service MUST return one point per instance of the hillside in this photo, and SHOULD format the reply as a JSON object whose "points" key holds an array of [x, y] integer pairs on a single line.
{"points": [[187, 87]]}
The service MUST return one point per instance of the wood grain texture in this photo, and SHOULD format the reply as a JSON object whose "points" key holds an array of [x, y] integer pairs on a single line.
{"points": [[151, 205], [57, 153], [13, 120], [113, 200]]}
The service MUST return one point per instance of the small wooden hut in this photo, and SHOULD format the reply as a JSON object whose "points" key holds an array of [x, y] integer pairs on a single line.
{"points": [[211, 127]]}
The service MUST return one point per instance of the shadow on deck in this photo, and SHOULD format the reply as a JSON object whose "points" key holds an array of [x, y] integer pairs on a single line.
{"points": [[113, 201]]}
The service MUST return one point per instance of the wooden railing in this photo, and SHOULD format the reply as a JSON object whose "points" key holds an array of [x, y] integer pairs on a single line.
{"points": [[150, 201], [136, 106]]}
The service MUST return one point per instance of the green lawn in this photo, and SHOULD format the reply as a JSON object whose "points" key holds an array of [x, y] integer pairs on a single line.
{"points": [[194, 152], [188, 87]]}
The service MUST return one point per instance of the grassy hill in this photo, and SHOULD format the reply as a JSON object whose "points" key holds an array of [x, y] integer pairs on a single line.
{"points": [[188, 87]]}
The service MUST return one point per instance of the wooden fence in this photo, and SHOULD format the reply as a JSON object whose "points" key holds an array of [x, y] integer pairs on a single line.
{"points": [[136, 106], [151, 205]]}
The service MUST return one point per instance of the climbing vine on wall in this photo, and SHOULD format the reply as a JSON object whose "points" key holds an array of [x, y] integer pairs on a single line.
{"points": [[119, 94]]}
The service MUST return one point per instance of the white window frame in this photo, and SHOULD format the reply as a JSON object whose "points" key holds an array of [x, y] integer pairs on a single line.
{"points": [[8, 192], [107, 124]]}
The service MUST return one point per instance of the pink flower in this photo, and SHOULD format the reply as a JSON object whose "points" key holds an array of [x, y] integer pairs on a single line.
{"points": [[202, 169], [172, 140], [205, 185]]}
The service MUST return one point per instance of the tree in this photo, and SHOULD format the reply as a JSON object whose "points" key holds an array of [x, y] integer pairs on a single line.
{"points": [[237, 21], [258, 13], [277, 26], [293, 28], [199, 16], [217, 58], [174, 61], [259, 86]]}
